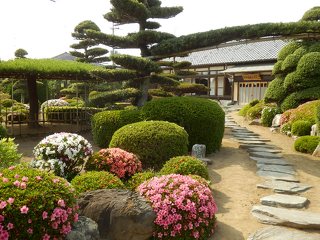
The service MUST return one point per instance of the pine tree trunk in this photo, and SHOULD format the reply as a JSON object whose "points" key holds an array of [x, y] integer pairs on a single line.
{"points": [[33, 102], [144, 92]]}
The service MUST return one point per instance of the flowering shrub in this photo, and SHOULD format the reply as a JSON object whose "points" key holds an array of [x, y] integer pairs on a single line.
{"points": [[286, 128], [267, 115], [139, 178], [115, 160], [53, 102], [285, 117], [35, 204], [62, 153], [8, 152], [185, 165], [90, 181], [185, 208]]}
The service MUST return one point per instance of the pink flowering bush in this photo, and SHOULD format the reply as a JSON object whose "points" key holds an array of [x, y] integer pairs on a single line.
{"points": [[62, 153], [35, 204], [115, 160], [185, 208]]}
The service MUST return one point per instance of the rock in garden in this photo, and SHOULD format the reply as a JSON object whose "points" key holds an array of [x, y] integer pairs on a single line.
{"points": [[314, 130], [120, 214], [284, 187], [282, 233], [316, 152], [277, 176], [283, 200], [277, 161], [84, 229], [286, 217], [263, 149], [277, 168], [276, 120], [253, 142], [265, 155], [199, 151]]}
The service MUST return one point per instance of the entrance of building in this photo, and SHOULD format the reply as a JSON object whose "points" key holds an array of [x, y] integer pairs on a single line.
{"points": [[249, 91]]}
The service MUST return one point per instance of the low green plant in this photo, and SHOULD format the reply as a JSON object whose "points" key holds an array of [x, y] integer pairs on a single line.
{"points": [[285, 128], [154, 142], [318, 118], [255, 111], [3, 132], [267, 115], [185, 165], [139, 178], [301, 128], [243, 111], [8, 152], [95, 180], [306, 144]]}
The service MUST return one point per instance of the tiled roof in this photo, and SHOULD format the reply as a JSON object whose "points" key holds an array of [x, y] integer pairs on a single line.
{"points": [[240, 53], [65, 56]]}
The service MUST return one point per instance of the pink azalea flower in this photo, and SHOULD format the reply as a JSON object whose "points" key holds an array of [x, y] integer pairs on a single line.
{"points": [[23, 185], [61, 203], [10, 200], [9, 226], [30, 230], [16, 183], [24, 209], [3, 204], [46, 237], [25, 179], [38, 178], [12, 167], [44, 215], [5, 180]]}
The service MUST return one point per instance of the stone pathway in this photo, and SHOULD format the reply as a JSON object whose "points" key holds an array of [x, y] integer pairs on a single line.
{"points": [[279, 175]]}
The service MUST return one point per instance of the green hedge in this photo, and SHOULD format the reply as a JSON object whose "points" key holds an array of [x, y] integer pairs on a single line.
{"points": [[268, 113], [3, 131], [203, 119], [185, 165], [275, 91], [297, 98], [306, 144], [154, 142], [301, 128], [290, 63], [104, 124], [243, 111], [101, 99]]}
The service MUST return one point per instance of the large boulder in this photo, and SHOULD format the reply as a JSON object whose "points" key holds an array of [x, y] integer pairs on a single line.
{"points": [[120, 214], [276, 120], [84, 229]]}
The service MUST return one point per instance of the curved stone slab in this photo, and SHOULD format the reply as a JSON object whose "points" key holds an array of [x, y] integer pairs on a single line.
{"points": [[284, 187], [264, 149], [277, 168], [279, 161], [282, 233], [253, 142], [277, 176], [286, 217], [253, 138], [283, 200], [265, 155]]}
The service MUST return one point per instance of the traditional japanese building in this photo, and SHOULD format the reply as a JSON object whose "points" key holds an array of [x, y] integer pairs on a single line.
{"points": [[236, 72]]}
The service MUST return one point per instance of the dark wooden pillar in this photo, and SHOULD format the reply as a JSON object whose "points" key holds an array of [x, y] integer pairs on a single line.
{"points": [[33, 102]]}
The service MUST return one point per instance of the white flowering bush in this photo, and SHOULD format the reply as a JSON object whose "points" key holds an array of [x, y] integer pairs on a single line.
{"points": [[62, 153], [54, 102]]}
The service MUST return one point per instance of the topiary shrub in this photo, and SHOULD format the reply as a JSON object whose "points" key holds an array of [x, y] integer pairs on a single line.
{"points": [[297, 98], [275, 91], [115, 160], [301, 128], [185, 165], [3, 132], [267, 115], [8, 152], [95, 180], [288, 49], [35, 204], [154, 142], [306, 111], [306, 144], [203, 119], [184, 207], [63, 153], [255, 111], [104, 124], [139, 178]]}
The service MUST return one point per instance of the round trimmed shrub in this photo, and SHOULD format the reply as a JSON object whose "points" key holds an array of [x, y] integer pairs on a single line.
{"points": [[255, 111], [185, 208], [185, 165], [301, 128], [306, 144], [267, 115], [3, 131], [203, 119], [275, 91], [115, 160], [35, 204], [8, 153], [104, 124], [63, 153], [243, 111], [154, 142], [94, 180], [139, 178], [288, 49]]}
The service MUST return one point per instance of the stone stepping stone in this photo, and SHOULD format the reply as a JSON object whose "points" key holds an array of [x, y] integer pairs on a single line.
{"points": [[270, 161], [265, 155], [253, 142], [263, 149], [282, 233], [286, 217], [277, 168], [246, 135], [283, 200], [253, 139], [277, 176], [284, 187], [246, 146]]}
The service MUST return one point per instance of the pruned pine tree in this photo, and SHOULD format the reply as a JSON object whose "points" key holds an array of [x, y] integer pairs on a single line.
{"points": [[87, 50], [141, 72]]}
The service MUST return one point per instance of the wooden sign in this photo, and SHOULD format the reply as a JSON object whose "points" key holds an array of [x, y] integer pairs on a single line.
{"points": [[251, 77]]}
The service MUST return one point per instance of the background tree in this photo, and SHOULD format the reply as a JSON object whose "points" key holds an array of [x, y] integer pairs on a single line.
{"points": [[89, 53], [20, 53], [142, 72]]}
